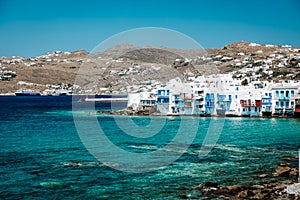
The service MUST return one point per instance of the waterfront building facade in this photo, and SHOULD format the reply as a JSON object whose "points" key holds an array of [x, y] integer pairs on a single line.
{"points": [[222, 96], [284, 99]]}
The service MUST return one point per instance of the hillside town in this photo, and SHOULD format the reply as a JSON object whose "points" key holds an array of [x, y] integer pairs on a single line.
{"points": [[127, 68], [240, 79]]}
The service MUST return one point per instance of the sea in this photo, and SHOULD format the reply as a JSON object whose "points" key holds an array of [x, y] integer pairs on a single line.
{"points": [[46, 154]]}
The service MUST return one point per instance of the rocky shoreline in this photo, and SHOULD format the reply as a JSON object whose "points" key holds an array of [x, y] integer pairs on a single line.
{"points": [[284, 174], [152, 112]]}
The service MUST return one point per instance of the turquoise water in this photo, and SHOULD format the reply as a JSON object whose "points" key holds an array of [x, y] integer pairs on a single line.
{"points": [[42, 156]]}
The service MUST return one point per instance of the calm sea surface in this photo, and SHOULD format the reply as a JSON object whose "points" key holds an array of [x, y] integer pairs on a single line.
{"points": [[42, 156]]}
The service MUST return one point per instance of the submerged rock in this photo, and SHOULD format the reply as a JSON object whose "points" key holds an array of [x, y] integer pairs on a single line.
{"points": [[282, 171], [264, 176]]}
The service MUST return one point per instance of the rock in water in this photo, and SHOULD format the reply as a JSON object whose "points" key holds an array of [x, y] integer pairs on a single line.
{"points": [[282, 170], [264, 176]]}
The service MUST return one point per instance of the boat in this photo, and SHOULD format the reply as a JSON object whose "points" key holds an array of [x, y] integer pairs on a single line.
{"points": [[61, 93], [27, 93]]}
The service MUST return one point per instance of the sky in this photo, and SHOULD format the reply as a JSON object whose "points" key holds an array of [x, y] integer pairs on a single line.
{"points": [[33, 27]]}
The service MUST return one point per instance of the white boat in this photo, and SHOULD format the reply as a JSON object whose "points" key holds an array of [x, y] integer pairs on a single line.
{"points": [[61, 93]]}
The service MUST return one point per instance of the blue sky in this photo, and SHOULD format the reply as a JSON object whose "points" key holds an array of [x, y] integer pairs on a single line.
{"points": [[31, 28]]}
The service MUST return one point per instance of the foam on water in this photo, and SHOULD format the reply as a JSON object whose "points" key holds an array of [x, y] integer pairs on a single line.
{"points": [[51, 184], [147, 147]]}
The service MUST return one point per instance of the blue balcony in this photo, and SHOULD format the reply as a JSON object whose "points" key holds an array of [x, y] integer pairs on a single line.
{"points": [[176, 98], [284, 98], [163, 100], [221, 97], [180, 104], [207, 98], [209, 105], [267, 98], [163, 93], [267, 103]]}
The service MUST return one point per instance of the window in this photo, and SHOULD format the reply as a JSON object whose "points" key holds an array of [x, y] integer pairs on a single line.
{"points": [[281, 104], [277, 93], [277, 104], [281, 94], [255, 109], [292, 93], [236, 96], [270, 94], [292, 104], [287, 104], [287, 93]]}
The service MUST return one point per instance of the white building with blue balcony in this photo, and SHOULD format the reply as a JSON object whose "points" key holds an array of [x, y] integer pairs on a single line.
{"points": [[198, 98], [266, 103], [209, 103], [182, 104], [163, 97], [284, 99], [223, 103]]}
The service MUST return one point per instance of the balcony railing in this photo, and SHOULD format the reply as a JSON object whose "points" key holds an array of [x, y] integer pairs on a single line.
{"points": [[267, 103], [209, 98], [251, 104], [284, 98], [176, 99], [224, 99], [209, 105]]}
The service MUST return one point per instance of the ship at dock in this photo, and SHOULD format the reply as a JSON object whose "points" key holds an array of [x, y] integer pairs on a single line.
{"points": [[27, 93]]}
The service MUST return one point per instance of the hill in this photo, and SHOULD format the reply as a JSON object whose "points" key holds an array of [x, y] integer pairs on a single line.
{"points": [[128, 68]]}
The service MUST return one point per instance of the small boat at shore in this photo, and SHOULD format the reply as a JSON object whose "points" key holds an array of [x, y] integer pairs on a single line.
{"points": [[27, 93]]}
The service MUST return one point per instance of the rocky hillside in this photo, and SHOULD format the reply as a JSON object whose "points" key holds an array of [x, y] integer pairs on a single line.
{"points": [[128, 68]]}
